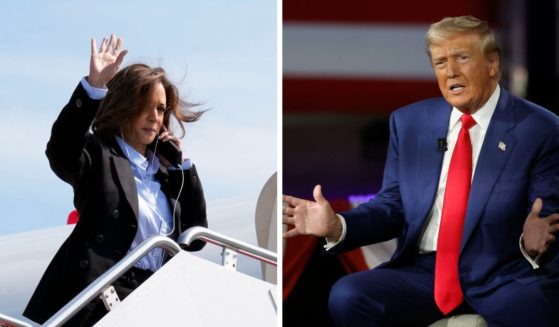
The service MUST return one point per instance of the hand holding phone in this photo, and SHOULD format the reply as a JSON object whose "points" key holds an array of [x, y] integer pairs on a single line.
{"points": [[165, 147], [169, 151]]}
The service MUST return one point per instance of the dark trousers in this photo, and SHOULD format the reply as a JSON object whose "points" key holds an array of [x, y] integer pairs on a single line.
{"points": [[388, 297], [95, 310], [404, 296]]}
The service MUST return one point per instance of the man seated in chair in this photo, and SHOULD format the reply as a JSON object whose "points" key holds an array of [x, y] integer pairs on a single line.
{"points": [[471, 190]]}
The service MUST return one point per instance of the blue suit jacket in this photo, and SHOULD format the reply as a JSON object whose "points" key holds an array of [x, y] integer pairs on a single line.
{"points": [[504, 186]]}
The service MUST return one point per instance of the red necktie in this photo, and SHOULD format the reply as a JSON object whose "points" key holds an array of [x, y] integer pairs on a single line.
{"points": [[448, 294]]}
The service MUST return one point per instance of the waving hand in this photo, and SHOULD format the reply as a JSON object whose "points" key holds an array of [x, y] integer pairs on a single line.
{"points": [[105, 61]]}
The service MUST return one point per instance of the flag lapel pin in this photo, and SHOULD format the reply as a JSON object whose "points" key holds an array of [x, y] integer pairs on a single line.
{"points": [[502, 146]]}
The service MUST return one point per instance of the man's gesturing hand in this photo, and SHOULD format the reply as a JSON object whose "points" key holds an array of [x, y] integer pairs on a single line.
{"points": [[538, 233], [311, 218], [105, 62]]}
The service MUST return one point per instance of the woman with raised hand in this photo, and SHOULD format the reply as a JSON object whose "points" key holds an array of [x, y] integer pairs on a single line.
{"points": [[105, 144]]}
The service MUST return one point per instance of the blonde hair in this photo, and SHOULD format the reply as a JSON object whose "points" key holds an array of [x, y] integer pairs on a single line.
{"points": [[450, 26]]}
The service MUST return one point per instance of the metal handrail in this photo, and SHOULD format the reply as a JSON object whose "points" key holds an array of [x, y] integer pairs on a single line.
{"points": [[13, 321], [207, 235], [105, 280]]}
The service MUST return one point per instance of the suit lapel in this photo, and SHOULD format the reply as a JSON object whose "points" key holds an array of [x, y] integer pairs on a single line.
{"points": [[491, 161], [430, 160], [124, 173], [125, 178], [163, 178]]}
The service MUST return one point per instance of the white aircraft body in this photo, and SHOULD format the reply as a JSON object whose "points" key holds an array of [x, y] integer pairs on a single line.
{"points": [[25, 256]]}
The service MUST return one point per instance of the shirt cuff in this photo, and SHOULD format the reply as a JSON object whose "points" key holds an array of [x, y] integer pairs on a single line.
{"points": [[94, 93], [533, 262], [330, 243]]}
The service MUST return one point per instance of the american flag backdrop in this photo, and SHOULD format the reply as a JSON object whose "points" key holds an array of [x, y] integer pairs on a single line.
{"points": [[346, 66], [359, 55]]}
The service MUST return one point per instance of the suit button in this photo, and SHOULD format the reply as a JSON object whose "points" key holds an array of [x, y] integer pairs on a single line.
{"points": [[118, 252], [115, 214], [133, 226], [99, 238], [83, 264], [78, 103], [194, 179]]}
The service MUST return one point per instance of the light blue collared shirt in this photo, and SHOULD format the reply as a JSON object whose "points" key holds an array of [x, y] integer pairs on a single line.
{"points": [[155, 214], [95, 93]]}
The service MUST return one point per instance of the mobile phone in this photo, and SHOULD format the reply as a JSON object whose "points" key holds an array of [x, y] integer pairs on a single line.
{"points": [[168, 150]]}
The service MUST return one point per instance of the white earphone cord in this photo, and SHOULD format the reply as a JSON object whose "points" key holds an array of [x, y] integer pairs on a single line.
{"points": [[177, 201], [178, 195]]}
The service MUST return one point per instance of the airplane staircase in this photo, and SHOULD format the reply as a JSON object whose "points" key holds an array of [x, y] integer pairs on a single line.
{"points": [[187, 290]]}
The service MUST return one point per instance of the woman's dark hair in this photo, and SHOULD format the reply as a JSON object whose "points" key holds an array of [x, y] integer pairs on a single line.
{"points": [[127, 97]]}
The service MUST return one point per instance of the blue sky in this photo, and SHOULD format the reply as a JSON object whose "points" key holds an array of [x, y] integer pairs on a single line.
{"points": [[220, 53]]}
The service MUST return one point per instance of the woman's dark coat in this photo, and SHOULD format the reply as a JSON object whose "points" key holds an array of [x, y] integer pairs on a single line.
{"points": [[107, 202]]}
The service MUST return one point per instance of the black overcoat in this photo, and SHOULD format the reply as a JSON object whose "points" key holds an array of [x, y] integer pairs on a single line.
{"points": [[107, 202]]}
